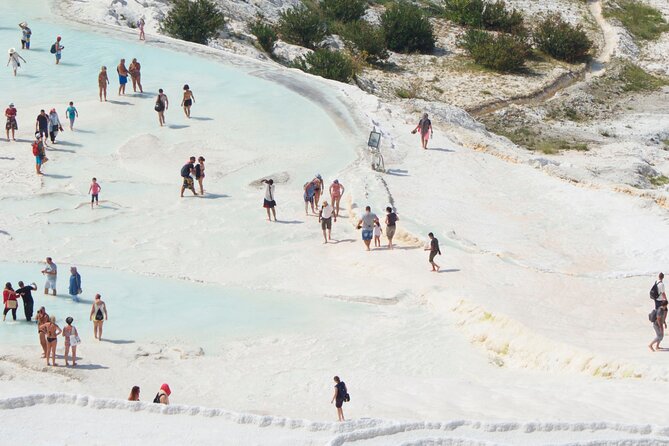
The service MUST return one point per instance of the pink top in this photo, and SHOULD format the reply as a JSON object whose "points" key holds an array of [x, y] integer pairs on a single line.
{"points": [[95, 188]]}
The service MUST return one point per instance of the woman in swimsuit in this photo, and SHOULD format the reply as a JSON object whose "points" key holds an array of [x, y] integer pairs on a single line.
{"points": [[70, 333], [42, 318], [98, 316], [140, 25], [103, 81], [318, 188], [336, 191], [161, 105], [136, 75], [199, 173], [188, 100], [52, 331]]}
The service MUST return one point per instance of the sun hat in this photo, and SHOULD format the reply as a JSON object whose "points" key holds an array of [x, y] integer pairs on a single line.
{"points": [[12, 51]]}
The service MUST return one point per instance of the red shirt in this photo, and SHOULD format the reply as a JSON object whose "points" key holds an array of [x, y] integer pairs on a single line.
{"points": [[8, 295], [10, 113]]}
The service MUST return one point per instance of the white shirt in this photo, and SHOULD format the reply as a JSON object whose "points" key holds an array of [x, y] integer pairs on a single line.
{"points": [[53, 269], [269, 192], [377, 231], [327, 211], [660, 291]]}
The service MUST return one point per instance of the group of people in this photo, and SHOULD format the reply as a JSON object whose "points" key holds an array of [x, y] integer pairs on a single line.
{"points": [[162, 397], [188, 171]]}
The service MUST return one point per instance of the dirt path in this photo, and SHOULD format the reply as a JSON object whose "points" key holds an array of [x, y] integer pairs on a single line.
{"points": [[598, 64]]}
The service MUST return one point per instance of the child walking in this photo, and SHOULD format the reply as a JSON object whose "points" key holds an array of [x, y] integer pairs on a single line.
{"points": [[94, 190], [71, 113], [377, 235]]}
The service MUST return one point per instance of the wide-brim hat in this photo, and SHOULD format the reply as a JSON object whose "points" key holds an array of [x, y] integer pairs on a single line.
{"points": [[11, 51]]}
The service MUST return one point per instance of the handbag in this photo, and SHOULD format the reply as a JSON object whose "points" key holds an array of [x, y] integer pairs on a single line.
{"points": [[75, 340], [12, 304]]}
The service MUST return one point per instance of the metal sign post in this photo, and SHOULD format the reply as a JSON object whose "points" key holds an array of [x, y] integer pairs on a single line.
{"points": [[373, 144]]}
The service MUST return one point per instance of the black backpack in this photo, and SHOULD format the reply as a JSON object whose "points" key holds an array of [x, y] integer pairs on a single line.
{"points": [[157, 398], [185, 170], [347, 397], [654, 293], [53, 49]]}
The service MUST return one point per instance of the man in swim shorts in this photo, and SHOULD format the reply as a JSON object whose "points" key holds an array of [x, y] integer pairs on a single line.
{"points": [[366, 223], [51, 272], [122, 77], [325, 217], [186, 171]]}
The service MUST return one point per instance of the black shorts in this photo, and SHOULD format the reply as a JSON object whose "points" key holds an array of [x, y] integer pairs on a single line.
{"points": [[339, 403], [94, 197], [188, 103], [326, 223], [269, 204], [432, 255]]}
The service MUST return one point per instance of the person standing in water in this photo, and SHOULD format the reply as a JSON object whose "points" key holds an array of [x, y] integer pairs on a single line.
{"points": [[140, 25], [98, 316], [199, 173], [336, 191], [71, 114], [162, 104], [54, 125], [325, 217], [26, 33], [15, 60], [71, 336], [186, 171], [103, 81], [391, 225], [51, 273], [9, 298], [425, 128], [188, 100], [163, 395], [11, 125], [434, 250], [122, 77], [57, 49], [340, 395], [52, 331], [94, 190], [75, 284], [268, 201], [26, 294], [135, 70]]}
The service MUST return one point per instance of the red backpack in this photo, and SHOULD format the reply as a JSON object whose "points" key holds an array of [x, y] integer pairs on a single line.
{"points": [[36, 148]]}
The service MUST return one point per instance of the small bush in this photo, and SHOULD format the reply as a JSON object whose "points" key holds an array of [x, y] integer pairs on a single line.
{"points": [[642, 21], [302, 26], [635, 79], [481, 14], [407, 30], [195, 21], [343, 10], [561, 40], [368, 41], [265, 33], [329, 64], [500, 53]]}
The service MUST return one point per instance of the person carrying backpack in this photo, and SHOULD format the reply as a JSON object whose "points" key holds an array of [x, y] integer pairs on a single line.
{"points": [[657, 292], [163, 395], [659, 319], [340, 396]]}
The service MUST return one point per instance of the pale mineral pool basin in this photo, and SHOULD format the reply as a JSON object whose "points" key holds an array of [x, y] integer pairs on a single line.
{"points": [[145, 309]]}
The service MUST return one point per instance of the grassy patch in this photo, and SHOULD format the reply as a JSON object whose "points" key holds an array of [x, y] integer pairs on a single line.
{"points": [[405, 93], [635, 79], [533, 140], [642, 21], [659, 180], [666, 144]]}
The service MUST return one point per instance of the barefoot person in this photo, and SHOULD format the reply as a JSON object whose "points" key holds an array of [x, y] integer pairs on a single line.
{"points": [[51, 331], [659, 320], [657, 292], [336, 191], [26, 295], [366, 223], [98, 316], [94, 190], [9, 299], [15, 60], [199, 173], [42, 125], [11, 125], [309, 193], [26, 33], [42, 318], [188, 100], [39, 152], [163, 395], [162, 104], [319, 188], [391, 225], [140, 26], [135, 70], [51, 273], [57, 49], [425, 128], [434, 250], [186, 171], [268, 202], [54, 125], [75, 284], [71, 114], [377, 234], [71, 336], [103, 81], [134, 394], [122, 77], [325, 217], [340, 395]]}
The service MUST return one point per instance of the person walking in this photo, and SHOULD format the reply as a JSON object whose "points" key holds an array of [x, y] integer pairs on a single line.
{"points": [[103, 81], [186, 171], [377, 234], [140, 25], [319, 188], [122, 77], [309, 193], [42, 318], [659, 319], [94, 190], [657, 292], [71, 114], [75, 284], [26, 294], [42, 125], [325, 217], [39, 153], [268, 202], [134, 394], [57, 49], [188, 100], [339, 397], [51, 273], [391, 225], [199, 173], [162, 104], [15, 60], [9, 299], [54, 125], [98, 316], [71, 336], [163, 395], [52, 330], [433, 247], [26, 33], [135, 70], [425, 128], [336, 191], [11, 125], [366, 223]]}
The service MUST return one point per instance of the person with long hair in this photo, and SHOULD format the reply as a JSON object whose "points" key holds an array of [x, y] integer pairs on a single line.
{"points": [[103, 81], [9, 299], [42, 318], [98, 316], [52, 331], [134, 394]]}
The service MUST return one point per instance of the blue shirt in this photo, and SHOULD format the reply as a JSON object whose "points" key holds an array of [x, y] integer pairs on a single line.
{"points": [[75, 284]]}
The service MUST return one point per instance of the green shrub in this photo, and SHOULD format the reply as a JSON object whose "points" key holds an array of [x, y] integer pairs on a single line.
{"points": [[343, 10], [485, 15], [367, 41], [500, 53], [302, 26], [329, 64], [407, 30], [642, 21], [196, 21], [561, 40], [265, 33], [635, 79]]}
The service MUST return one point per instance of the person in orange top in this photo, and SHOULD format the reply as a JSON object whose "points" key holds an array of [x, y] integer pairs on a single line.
{"points": [[9, 299]]}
